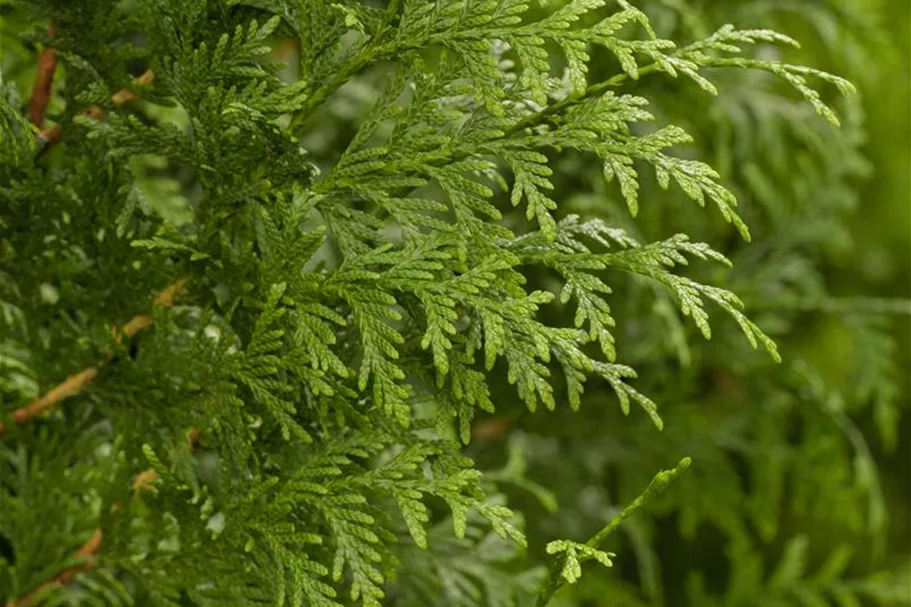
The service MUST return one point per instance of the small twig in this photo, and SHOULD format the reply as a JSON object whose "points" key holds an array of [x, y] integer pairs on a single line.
{"points": [[146, 479], [41, 94], [141, 321], [71, 386], [124, 95], [74, 384], [85, 552], [49, 136]]}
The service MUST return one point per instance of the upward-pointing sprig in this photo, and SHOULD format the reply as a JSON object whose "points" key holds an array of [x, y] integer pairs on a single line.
{"points": [[567, 566]]}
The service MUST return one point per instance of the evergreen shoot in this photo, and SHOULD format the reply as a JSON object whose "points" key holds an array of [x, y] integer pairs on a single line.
{"points": [[273, 272]]}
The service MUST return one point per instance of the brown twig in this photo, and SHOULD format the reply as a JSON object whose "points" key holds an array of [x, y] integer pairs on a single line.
{"points": [[74, 384], [85, 552], [41, 93], [124, 95], [52, 135], [71, 386], [145, 479], [141, 321]]}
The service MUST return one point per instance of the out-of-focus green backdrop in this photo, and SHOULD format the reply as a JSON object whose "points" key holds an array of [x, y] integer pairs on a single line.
{"points": [[881, 262]]}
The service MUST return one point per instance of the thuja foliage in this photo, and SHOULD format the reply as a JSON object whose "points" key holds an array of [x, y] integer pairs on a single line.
{"points": [[252, 310]]}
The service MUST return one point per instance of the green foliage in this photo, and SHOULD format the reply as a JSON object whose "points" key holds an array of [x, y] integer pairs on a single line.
{"points": [[341, 185], [789, 583], [17, 132]]}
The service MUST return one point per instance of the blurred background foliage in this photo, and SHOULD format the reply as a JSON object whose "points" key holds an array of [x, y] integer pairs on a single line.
{"points": [[800, 488]]}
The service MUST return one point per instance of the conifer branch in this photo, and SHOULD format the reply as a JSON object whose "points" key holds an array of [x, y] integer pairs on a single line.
{"points": [[364, 59], [75, 383], [341, 271], [85, 553], [555, 109]]}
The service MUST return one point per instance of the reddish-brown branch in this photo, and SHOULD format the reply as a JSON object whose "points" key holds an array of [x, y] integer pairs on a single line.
{"points": [[85, 553], [71, 386], [74, 384], [124, 95], [44, 80]]}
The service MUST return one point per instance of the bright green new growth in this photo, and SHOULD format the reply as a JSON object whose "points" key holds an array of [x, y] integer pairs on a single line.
{"points": [[574, 554], [338, 318]]}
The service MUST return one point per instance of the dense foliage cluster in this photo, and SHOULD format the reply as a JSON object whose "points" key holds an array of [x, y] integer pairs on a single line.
{"points": [[286, 284]]}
